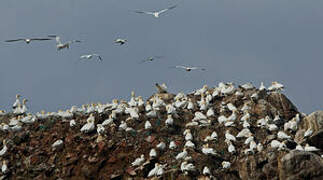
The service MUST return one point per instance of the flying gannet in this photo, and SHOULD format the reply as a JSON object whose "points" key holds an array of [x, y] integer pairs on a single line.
{"points": [[187, 68], [90, 56], [156, 14], [28, 40], [120, 41], [151, 58], [60, 45]]}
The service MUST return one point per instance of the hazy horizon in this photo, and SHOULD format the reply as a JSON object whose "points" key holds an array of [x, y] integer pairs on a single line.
{"points": [[236, 41]]}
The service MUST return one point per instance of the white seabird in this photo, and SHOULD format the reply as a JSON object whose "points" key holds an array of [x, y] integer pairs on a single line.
{"points": [[156, 14], [153, 153], [181, 155], [60, 45], [206, 171], [147, 125], [4, 167], [283, 135], [226, 164], [276, 86], [89, 126], [120, 41], [28, 40], [90, 56], [4, 149], [185, 167], [172, 145], [139, 161], [310, 148], [187, 68], [229, 136], [17, 102]]}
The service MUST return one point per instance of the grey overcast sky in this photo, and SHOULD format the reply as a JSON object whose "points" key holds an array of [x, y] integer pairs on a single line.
{"points": [[236, 40]]}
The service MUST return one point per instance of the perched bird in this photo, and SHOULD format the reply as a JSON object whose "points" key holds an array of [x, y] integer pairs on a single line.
{"points": [[147, 125], [72, 123], [262, 87], [308, 132], [90, 56], [60, 45], [120, 41], [169, 121], [181, 155], [28, 40], [172, 145], [185, 167], [189, 144], [206, 171], [229, 136], [161, 146], [139, 161], [283, 135], [4, 167], [153, 153], [187, 68], [226, 164], [156, 14], [276, 86], [89, 126], [4, 149], [207, 150], [310, 148], [151, 58], [17, 102]]}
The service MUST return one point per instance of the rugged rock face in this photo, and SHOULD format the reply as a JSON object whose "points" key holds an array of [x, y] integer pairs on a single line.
{"points": [[300, 165], [34, 152]]}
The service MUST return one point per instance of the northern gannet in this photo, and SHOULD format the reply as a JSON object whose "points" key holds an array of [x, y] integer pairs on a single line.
{"points": [[262, 87], [248, 140], [100, 129], [139, 161], [185, 167], [283, 135], [24, 108], [299, 147], [2, 112], [108, 121], [190, 68], [226, 164], [247, 86], [244, 133], [272, 127], [206, 171], [120, 41], [153, 153], [17, 102], [213, 136], [57, 144], [123, 125], [89, 126], [207, 150], [4, 127], [147, 125], [222, 119], [60, 45], [231, 148], [72, 123], [90, 56], [189, 144], [276, 86], [229, 136], [4, 149], [169, 121], [158, 170], [310, 148], [29, 119], [4, 167], [28, 40], [161, 146], [156, 14], [231, 107], [172, 145], [151, 58], [188, 135], [190, 104], [181, 155], [210, 112], [132, 102]]}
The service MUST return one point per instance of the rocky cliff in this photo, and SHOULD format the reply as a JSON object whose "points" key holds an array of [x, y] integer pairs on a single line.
{"points": [[223, 132]]}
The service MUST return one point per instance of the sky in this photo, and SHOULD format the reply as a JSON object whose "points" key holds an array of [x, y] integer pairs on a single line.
{"points": [[236, 41]]}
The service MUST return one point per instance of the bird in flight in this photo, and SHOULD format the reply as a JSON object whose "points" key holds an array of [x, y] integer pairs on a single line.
{"points": [[120, 41], [28, 40], [90, 56], [150, 59], [190, 68], [60, 45], [156, 14]]}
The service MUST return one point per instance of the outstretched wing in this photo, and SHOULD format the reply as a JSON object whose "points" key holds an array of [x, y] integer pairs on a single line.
{"points": [[164, 10], [40, 39], [144, 12], [13, 40], [194, 68], [183, 67]]}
